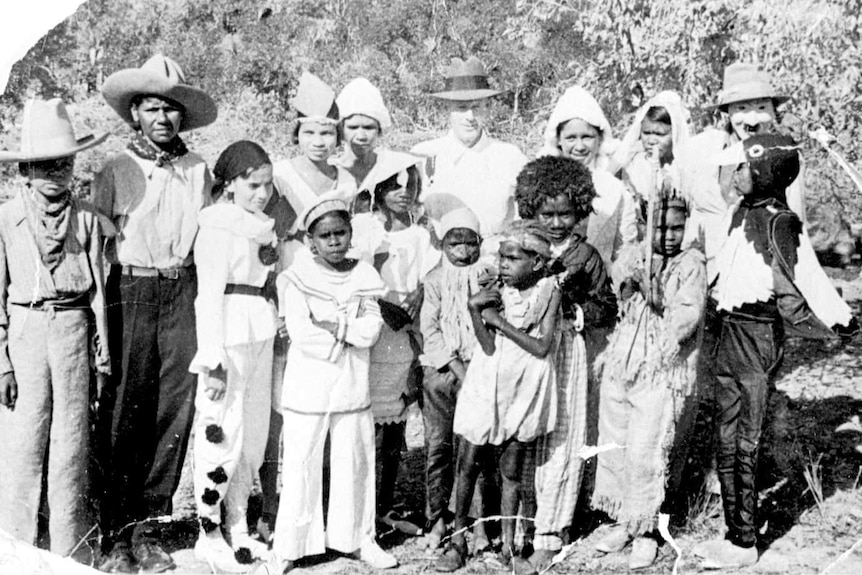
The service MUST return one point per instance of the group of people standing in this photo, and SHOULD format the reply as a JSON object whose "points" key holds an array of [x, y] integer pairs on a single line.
{"points": [[591, 296]]}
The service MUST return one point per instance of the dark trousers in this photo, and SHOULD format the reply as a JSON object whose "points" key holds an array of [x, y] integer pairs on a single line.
{"points": [[439, 394], [150, 405], [748, 354], [388, 440]]}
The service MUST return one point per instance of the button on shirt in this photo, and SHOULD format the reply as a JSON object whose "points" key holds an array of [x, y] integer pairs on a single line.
{"points": [[154, 207], [482, 176]]}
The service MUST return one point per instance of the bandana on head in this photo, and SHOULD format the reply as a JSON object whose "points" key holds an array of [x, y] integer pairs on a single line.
{"points": [[321, 208], [530, 236], [237, 160]]}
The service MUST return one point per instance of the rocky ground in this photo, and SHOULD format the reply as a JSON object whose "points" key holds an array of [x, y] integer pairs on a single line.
{"points": [[809, 526]]}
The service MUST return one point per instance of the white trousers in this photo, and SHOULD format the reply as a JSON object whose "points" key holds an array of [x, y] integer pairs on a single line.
{"points": [[231, 434], [350, 518]]}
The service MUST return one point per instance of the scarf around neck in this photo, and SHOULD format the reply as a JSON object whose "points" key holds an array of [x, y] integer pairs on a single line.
{"points": [[141, 147], [50, 222]]}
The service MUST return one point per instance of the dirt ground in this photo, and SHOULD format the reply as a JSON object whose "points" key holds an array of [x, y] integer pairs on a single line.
{"points": [[807, 526]]}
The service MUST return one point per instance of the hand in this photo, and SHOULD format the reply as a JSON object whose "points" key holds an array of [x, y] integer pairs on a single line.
{"points": [[330, 326], [489, 297], [215, 384], [8, 390], [282, 330], [456, 366], [492, 317], [413, 302]]}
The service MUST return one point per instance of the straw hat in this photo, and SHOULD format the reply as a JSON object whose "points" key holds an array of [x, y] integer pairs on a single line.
{"points": [[360, 96], [743, 82], [159, 76], [466, 81], [47, 134]]}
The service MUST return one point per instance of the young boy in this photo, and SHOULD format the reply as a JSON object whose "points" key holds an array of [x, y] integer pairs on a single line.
{"points": [[51, 288], [558, 194], [449, 340], [759, 300]]}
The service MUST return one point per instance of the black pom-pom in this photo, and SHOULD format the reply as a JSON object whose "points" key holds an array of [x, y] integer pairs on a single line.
{"points": [[208, 525], [268, 255], [210, 496], [243, 556], [217, 475], [214, 433]]}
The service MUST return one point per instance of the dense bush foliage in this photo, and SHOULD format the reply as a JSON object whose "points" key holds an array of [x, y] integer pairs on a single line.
{"points": [[249, 55]]}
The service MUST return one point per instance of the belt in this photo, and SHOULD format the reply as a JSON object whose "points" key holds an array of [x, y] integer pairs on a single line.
{"points": [[243, 289], [165, 273], [82, 302]]}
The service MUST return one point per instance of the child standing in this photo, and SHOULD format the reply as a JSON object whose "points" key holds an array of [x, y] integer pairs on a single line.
{"points": [[402, 252], [332, 316], [234, 253], [558, 193], [759, 299], [51, 289], [509, 396], [648, 375], [449, 341]]}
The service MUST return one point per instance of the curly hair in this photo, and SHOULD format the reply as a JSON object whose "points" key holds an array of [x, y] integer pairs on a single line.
{"points": [[546, 178]]}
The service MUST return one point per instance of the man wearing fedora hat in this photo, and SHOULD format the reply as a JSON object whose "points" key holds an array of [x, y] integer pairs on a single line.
{"points": [[467, 164], [153, 191], [51, 293]]}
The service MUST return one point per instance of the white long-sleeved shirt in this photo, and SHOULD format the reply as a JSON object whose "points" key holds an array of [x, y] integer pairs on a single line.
{"points": [[328, 373], [226, 252]]}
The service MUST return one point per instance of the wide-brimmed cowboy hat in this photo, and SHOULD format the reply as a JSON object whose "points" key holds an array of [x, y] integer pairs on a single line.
{"points": [[47, 134], [466, 81], [743, 82], [159, 76]]}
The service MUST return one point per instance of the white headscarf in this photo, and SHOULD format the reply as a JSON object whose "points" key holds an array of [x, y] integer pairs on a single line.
{"points": [[577, 103], [631, 144], [360, 96]]}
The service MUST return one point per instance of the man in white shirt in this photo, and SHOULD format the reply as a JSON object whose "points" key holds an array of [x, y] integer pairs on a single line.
{"points": [[467, 167]]}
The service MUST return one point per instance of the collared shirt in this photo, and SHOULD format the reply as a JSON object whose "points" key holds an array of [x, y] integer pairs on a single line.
{"points": [[154, 207], [482, 176], [25, 280]]}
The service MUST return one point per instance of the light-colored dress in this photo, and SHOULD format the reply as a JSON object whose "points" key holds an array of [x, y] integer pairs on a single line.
{"points": [[410, 257], [648, 373], [511, 394]]}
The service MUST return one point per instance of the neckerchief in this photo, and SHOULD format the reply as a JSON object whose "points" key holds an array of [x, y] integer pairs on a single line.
{"points": [[50, 224], [141, 147]]}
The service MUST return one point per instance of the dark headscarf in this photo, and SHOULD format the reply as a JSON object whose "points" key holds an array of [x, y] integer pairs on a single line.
{"points": [[237, 160]]}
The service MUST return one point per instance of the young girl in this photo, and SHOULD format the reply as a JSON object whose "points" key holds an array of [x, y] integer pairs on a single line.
{"points": [[578, 129], [364, 117], [332, 316], [558, 193], [236, 324], [402, 253], [509, 396], [304, 178], [650, 153], [648, 375]]}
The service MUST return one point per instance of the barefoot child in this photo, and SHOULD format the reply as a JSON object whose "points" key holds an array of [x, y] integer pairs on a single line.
{"points": [[449, 340], [402, 252], [236, 325], [51, 291], [509, 395], [558, 193], [332, 316], [648, 376]]}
